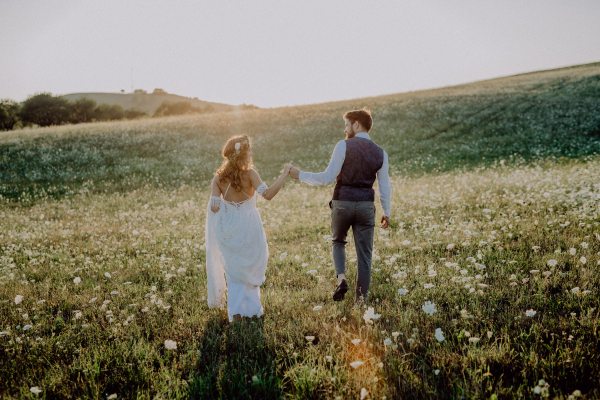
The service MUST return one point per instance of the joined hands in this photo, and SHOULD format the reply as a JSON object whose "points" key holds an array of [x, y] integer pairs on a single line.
{"points": [[289, 169], [295, 173]]}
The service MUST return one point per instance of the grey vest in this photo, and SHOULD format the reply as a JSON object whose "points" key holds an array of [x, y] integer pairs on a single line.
{"points": [[359, 171]]}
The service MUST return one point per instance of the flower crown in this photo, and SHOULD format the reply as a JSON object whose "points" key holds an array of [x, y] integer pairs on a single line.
{"points": [[238, 148]]}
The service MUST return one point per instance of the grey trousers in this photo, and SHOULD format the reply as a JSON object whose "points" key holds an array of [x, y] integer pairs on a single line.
{"points": [[360, 215]]}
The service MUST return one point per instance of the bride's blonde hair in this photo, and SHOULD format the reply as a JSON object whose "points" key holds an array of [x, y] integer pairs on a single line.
{"points": [[235, 162]]}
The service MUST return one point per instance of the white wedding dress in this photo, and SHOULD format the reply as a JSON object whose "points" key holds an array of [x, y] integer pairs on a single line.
{"points": [[236, 246]]}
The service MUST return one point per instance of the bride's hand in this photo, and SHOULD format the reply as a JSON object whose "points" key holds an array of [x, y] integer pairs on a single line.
{"points": [[286, 168]]}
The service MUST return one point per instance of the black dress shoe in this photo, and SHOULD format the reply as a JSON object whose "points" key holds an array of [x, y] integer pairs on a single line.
{"points": [[340, 291]]}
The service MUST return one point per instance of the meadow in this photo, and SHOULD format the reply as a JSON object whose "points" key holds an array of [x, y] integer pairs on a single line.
{"points": [[484, 286], [549, 114]]}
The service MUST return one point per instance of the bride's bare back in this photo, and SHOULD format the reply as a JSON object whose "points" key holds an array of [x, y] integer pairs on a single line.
{"points": [[250, 181], [232, 193]]}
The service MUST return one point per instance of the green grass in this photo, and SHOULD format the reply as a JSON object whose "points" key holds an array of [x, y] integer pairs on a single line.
{"points": [[129, 199], [549, 114], [494, 215]]}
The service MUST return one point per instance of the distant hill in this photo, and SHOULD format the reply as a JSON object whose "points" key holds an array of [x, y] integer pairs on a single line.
{"points": [[147, 102]]}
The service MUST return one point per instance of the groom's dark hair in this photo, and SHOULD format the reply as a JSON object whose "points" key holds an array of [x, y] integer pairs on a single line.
{"points": [[363, 116]]}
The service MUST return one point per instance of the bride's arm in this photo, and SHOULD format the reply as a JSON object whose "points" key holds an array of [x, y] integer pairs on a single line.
{"points": [[269, 193], [215, 195]]}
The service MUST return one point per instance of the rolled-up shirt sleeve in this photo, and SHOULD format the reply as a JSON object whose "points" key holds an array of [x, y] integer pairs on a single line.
{"points": [[384, 187], [332, 171]]}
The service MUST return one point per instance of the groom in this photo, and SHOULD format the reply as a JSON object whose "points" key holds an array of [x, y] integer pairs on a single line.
{"points": [[355, 164]]}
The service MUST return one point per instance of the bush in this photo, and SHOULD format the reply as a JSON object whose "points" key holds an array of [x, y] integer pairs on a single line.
{"points": [[109, 112], [44, 109], [9, 114], [178, 108], [134, 113], [83, 110]]}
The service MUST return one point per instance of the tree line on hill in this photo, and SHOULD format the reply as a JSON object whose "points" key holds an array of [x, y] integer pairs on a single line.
{"points": [[44, 109]]}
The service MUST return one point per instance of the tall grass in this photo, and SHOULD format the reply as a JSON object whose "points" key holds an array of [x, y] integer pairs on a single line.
{"points": [[511, 254]]}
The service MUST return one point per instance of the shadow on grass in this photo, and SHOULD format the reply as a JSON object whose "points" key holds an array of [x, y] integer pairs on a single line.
{"points": [[237, 361]]}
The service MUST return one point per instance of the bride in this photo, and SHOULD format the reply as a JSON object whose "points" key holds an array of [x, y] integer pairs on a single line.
{"points": [[236, 244]]}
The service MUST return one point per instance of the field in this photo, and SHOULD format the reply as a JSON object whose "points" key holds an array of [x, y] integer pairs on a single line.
{"points": [[550, 114], [485, 285]]}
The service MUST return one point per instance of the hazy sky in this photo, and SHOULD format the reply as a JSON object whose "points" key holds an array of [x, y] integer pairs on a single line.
{"points": [[276, 53]]}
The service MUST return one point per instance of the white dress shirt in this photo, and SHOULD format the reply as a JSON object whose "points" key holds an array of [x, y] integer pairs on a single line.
{"points": [[384, 188]]}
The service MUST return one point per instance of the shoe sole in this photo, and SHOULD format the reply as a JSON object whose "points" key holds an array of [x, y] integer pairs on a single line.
{"points": [[339, 295]]}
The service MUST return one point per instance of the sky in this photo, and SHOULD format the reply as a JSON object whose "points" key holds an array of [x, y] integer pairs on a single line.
{"points": [[281, 53]]}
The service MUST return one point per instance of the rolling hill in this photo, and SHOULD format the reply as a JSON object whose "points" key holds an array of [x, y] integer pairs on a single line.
{"points": [[546, 114], [147, 102]]}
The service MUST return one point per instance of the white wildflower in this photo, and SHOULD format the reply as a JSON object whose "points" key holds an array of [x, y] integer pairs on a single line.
{"points": [[370, 314], [429, 308], [170, 344], [363, 394], [439, 335]]}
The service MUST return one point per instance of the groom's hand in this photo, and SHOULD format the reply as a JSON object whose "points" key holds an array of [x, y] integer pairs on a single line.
{"points": [[295, 173], [385, 222]]}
